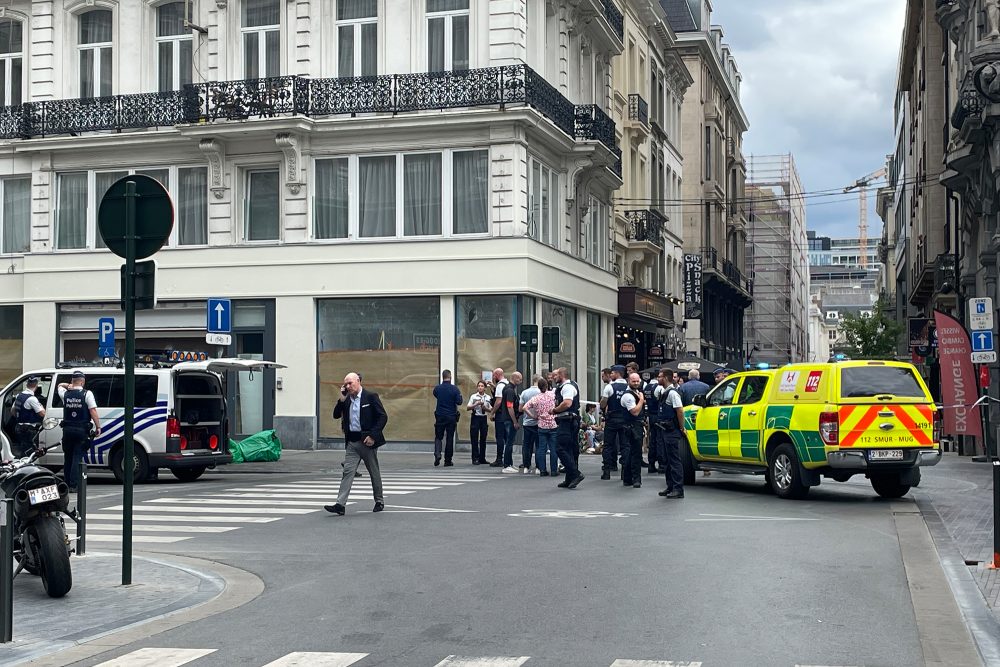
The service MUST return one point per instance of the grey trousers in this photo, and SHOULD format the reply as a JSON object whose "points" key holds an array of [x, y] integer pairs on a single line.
{"points": [[355, 453]]}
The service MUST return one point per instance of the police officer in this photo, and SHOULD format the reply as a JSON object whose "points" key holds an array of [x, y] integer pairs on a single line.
{"points": [[670, 424], [633, 404], [79, 411], [652, 415], [28, 413], [567, 413], [614, 427]]}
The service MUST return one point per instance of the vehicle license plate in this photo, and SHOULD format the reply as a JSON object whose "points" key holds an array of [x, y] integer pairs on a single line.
{"points": [[43, 494], [885, 455]]}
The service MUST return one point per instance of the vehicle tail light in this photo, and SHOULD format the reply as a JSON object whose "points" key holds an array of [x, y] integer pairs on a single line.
{"points": [[213, 442], [184, 442], [938, 426], [173, 427], [829, 428]]}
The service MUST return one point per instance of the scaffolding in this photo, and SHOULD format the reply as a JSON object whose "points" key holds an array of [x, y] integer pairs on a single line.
{"points": [[777, 252]]}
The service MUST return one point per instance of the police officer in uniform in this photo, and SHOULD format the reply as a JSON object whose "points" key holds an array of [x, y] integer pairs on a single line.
{"points": [[671, 427], [652, 414], [567, 414], [79, 411], [633, 404], [614, 426], [28, 413]]}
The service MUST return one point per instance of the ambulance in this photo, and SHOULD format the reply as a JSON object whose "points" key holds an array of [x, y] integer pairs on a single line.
{"points": [[804, 422]]}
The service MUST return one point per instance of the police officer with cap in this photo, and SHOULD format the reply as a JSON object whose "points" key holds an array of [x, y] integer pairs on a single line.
{"points": [[28, 413], [79, 411]]}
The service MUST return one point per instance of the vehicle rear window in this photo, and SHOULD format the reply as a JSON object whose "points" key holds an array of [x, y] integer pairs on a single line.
{"points": [[870, 381]]}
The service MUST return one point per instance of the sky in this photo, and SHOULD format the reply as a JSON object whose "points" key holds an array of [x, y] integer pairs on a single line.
{"points": [[819, 80]]}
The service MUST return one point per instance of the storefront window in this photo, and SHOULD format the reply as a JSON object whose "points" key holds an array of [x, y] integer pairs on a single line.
{"points": [[564, 317], [485, 338], [11, 346], [593, 356], [395, 345]]}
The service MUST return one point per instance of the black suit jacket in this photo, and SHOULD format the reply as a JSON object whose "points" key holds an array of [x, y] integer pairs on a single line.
{"points": [[373, 416]]}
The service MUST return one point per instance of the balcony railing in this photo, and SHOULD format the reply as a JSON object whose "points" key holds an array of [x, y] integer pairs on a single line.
{"points": [[272, 97], [638, 109], [615, 18], [645, 226], [711, 258]]}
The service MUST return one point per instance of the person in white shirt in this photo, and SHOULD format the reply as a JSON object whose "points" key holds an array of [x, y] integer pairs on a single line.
{"points": [[479, 405]]}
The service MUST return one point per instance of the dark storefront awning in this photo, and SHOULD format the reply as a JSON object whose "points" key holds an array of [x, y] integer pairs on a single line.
{"points": [[644, 309]]}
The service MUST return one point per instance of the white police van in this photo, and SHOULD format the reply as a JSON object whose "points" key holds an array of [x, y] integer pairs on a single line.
{"points": [[180, 414]]}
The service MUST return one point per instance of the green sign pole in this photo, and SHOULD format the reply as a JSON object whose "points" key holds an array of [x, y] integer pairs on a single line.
{"points": [[128, 460]]}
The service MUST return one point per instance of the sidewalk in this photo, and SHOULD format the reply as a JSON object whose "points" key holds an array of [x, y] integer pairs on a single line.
{"points": [[99, 605]]}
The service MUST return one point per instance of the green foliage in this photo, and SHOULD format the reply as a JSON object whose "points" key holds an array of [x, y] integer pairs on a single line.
{"points": [[873, 337]]}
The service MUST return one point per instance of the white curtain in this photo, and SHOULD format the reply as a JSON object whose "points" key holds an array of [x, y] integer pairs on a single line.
{"points": [[331, 203], [459, 43], [192, 204], [16, 215], [470, 207], [95, 26], [345, 51], [422, 194], [377, 181], [261, 12], [356, 9], [170, 19], [262, 206], [369, 49], [71, 216], [435, 44], [102, 181]]}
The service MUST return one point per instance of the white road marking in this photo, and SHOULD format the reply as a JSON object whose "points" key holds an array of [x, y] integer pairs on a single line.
{"points": [[196, 519], [328, 487], [145, 539], [162, 529], [314, 659], [314, 496], [652, 663], [335, 482], [213, 502], [416, 510], [739, 517], [217, 507], [463, 661], [158, 657], [571, 514]]}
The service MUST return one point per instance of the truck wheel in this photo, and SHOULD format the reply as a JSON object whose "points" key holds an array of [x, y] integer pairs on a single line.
{"points": [[50, 540], [889, 486], [784, 471], [687, 463], [141, 470], [188, 474]]}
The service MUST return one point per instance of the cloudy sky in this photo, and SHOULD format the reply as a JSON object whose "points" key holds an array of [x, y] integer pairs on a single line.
{"points": [[819, 81]]}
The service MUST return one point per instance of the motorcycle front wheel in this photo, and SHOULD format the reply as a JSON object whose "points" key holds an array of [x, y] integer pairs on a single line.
{"points": [[50, 540]]}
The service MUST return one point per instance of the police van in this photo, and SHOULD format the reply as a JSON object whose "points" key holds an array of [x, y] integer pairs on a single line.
{"points": [[180, 414]]}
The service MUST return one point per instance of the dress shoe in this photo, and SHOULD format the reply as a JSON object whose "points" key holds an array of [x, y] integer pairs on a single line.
{"points": [[448, 464], [665, 492], [606, 475], [563, 484], [544, 473], [475, 463], [335, 508], [496, 464], [437, 461], [379, 507], [576, 482], [675, 494], [637, 485]]}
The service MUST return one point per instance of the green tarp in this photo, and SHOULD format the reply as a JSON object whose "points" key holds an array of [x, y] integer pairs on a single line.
{"points": [[259, 447]]}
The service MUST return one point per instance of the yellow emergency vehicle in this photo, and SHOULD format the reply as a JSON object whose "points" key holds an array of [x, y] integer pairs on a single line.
{"points": [[802, 422]]}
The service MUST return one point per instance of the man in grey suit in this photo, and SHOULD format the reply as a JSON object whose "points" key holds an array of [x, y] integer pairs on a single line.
{"points": [[363, 420]]}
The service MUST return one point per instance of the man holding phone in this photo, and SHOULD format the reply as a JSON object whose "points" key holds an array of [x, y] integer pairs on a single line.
{"points": [[363, 419]]}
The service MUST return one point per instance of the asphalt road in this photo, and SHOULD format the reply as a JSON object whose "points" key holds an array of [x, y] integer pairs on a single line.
{"points": [[469, 562]]}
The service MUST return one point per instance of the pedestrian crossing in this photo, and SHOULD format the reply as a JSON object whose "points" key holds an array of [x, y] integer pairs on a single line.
{"points": [[176, 518], [177, 657]]}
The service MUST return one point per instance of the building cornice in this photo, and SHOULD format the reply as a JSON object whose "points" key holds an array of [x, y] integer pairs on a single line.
{"points": [[700, 44]]}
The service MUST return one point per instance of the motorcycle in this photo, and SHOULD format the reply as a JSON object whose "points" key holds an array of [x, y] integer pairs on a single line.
{"points": [[41, 545]]}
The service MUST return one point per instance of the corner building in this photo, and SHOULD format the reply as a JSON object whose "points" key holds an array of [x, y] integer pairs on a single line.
{"points": [[384, 186]]}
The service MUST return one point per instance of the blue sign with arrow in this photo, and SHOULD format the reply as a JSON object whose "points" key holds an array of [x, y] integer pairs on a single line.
{"points": [[220, 318], [982, 341]]}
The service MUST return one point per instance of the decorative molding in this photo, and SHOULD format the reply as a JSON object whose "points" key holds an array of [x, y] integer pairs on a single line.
{"points": [[221, 4], [215, 152], [290, 146], [79, 6]]}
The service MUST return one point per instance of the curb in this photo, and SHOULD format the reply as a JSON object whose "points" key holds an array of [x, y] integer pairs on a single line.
{"points": [[978, 616], [240, 588]]}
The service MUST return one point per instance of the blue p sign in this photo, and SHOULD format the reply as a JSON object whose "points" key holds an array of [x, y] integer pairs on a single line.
{"points": [[106, 332]]}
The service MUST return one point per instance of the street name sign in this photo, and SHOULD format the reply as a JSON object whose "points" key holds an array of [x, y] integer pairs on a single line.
{"points": [[220, 318], [981, 313], [984, 357], [982, 341]]}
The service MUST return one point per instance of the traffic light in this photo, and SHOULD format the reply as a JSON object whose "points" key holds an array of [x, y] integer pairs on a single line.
{"points": [[528, 340], [550, 339]]}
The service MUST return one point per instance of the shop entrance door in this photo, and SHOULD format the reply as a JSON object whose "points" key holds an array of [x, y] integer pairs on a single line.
{"points": [[251, 394]]}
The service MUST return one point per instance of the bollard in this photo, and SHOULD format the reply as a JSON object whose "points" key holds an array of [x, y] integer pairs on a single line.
{"points": [[81, 512], [6, 570]]}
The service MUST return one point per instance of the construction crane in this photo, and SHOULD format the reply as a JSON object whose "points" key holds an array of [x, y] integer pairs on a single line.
{"points": [[861, 185]]}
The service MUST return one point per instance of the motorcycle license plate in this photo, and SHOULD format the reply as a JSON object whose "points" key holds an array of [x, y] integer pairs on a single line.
{"points": [[43, 494]]}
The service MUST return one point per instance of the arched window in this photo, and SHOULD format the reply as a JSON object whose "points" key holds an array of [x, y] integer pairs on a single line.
{"points": [[261, 38], [95, 53], [173, 47], [11, 59]]}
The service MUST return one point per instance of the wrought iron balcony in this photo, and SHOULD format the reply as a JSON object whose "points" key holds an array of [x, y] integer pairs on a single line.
{"points": [[615, 18], [616, 166], [645, 226], [638, 109], [730, 271], [592, 123], [249, 98], [711, 258]]}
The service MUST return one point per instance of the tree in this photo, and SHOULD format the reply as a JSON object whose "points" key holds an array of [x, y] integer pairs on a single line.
{"points": [[873, 336]]}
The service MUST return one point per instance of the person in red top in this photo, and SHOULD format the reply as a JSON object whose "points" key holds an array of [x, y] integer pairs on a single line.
{"points": [[540, 408]]}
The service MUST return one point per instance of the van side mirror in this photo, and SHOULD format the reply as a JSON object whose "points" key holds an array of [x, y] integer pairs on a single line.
{"points": [[700, 400]]}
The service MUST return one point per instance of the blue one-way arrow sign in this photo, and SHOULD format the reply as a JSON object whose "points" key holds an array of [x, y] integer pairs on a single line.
{"points": [[220, 316], [982, 341]]}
